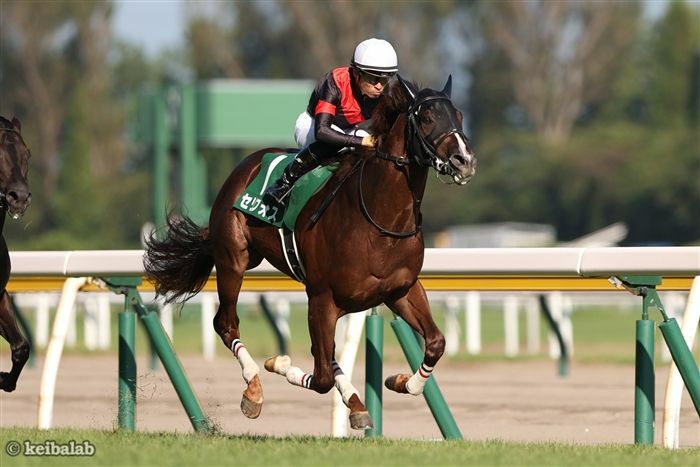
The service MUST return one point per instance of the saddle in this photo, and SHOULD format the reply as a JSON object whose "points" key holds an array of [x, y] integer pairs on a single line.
{"points": [[253, 203]]}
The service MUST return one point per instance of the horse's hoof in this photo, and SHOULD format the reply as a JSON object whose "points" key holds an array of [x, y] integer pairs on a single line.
{"points": [[397, 383], [6, 382], [360, 420], [279, 364], [252, 400], [250, 408]]}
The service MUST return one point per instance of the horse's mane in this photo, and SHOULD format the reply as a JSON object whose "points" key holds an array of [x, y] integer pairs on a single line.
{"points": [[393, 102]]}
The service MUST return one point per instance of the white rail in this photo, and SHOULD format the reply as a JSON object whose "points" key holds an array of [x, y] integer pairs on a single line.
{"points": [[584, 262]]}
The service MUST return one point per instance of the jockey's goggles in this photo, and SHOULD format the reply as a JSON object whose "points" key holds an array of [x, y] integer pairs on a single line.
{"points": [[373, 79]]}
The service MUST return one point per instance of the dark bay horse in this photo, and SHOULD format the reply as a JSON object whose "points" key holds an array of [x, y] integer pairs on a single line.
{"points": [[365, 249], [14, 199]]}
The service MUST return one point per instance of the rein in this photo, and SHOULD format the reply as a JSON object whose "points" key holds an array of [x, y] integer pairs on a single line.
{"points": [[400, 161]]}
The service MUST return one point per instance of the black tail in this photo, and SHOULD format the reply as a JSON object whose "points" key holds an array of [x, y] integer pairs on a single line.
{"points": [[179, 265]]}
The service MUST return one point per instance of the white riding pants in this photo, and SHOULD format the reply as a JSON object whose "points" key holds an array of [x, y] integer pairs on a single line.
{"points": [[305, 128]]}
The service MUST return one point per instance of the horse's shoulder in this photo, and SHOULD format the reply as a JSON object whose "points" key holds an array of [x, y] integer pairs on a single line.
{"points": [[349, 162]]}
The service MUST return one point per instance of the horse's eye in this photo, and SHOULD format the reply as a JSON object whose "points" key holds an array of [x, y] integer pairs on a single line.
{"points": [[426, 118]]}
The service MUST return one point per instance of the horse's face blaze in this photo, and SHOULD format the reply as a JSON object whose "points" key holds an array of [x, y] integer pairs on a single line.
{"points": [[14, 167]]}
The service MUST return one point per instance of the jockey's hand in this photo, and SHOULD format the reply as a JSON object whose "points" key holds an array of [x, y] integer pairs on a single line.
{"points": [[369, 141]]}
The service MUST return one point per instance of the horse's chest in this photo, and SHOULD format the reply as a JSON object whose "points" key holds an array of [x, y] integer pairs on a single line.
{"points": [[362, 291]]}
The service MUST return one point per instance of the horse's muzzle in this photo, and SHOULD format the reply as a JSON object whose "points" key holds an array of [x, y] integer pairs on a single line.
{"points": [[17, 200], [464, 166]]}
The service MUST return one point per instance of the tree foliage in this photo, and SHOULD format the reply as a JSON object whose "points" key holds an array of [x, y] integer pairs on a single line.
{"points": [[581, 113], [57, 79]]}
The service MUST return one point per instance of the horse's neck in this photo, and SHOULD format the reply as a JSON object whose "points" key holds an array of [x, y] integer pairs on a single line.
{"points": [[394, 192], [403, 185]]}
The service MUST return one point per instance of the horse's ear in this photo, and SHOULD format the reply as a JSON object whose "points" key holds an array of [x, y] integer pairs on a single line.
{"points": [[16, 124], [447, 90], [408, 87]]}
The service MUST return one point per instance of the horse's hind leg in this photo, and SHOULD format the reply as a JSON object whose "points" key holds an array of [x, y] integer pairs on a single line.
{"points": [[229, 277], [19, 346], [415, 310]]}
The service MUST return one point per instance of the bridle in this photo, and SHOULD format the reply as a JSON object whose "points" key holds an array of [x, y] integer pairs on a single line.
{"points": [[422, 151]]}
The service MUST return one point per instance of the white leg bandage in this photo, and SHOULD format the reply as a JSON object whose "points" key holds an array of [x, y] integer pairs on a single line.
{"points": [[282, 364], [297, 377], [248, 365], [416, 383], [343, 384]]}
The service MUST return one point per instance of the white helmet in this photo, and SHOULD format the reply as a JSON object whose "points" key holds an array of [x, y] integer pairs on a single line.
{"points": [[376, 56]]}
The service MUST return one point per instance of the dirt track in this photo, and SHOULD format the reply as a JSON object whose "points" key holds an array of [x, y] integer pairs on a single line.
{"points": [[519, 401]]}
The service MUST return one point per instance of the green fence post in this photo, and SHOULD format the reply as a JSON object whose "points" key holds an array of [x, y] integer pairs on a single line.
{"points": [[554, 327], [193, 170], [645, 287], [644, 383], [164, 349], [433, 396], [127, 369], [374, 338], [161, 145], [683, 358]]}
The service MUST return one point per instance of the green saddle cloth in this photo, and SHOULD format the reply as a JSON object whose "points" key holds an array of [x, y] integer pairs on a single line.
{"points": [[267, 210]]}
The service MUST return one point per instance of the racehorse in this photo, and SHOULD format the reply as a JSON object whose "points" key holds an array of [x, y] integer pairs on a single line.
{"points": [[366, 248], [14, 199]]}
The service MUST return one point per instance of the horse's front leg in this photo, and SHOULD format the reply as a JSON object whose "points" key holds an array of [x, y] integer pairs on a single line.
{"points": [[323, 315], [226, 321], [415, 310], [19, 346], [359, 416]]}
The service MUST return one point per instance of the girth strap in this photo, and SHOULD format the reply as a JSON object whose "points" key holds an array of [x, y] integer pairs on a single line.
{"points": [[291, 254]]}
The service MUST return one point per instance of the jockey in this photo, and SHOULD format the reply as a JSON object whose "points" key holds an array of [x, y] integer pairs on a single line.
{"points": [[344, 98]]}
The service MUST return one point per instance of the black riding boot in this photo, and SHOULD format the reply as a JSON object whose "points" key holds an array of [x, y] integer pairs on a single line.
{"points": [[303, 163]]}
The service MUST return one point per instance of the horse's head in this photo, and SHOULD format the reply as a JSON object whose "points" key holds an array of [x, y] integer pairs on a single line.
{"points": [[435, 136], [14, 165]]}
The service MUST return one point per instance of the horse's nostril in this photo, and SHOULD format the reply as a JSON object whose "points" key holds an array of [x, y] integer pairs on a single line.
{"points": [[18, 197], [458, 160]]}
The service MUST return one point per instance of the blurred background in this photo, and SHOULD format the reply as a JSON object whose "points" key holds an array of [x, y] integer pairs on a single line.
{"points": [[583, 114]]}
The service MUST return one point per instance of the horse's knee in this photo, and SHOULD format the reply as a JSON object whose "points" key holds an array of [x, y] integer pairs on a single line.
{"points": [[20, 352], [434, 348], [225, 325], [323, 383], [219, 323]]}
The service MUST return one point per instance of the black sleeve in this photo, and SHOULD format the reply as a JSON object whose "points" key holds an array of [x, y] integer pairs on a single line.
{"points": [[325, 134]]}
